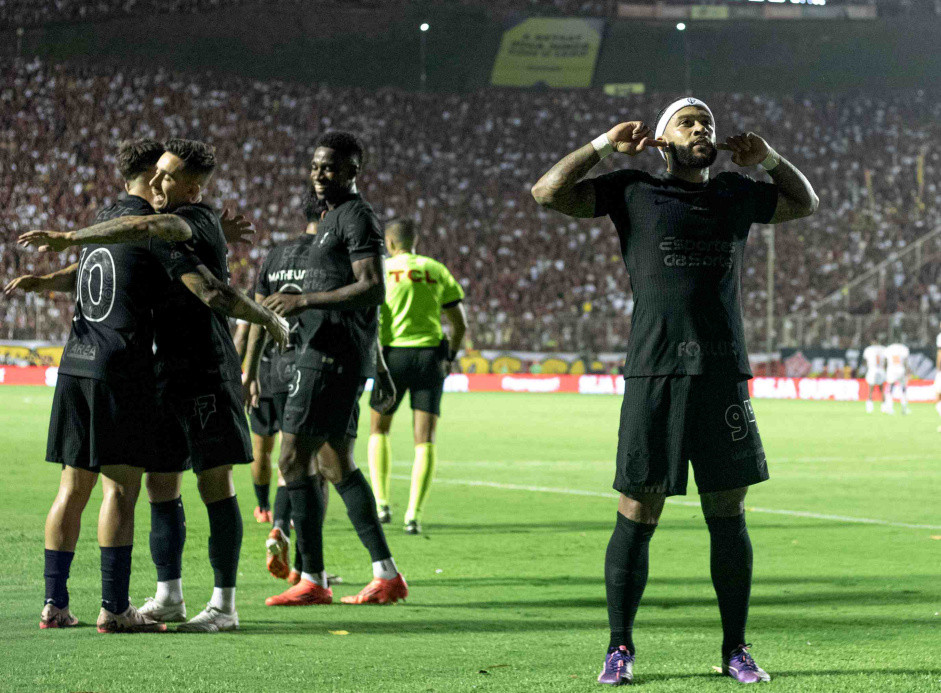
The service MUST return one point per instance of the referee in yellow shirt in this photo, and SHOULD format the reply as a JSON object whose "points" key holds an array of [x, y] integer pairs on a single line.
{"points": [[419, 291]]}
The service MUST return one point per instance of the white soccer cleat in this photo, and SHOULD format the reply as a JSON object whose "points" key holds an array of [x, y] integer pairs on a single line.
{"points": [[131, 621], [869, 407], [210, 620], [165, 613]]}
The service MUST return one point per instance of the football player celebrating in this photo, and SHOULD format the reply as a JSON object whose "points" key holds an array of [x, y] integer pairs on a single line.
{"points": [[682, 236], [202, 424], [337, 327]]}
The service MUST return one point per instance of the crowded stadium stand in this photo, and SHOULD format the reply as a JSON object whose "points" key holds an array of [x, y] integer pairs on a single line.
{"points": [[463, 166]]}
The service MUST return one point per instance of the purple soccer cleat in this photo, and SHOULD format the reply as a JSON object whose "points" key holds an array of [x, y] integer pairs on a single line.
{"points": [[741, 667], [618, 668]]}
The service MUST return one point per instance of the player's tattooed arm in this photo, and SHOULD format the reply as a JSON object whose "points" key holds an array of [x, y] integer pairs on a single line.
{"points": [[60, 280], [367, 291], [562, 189], [120, 230], [227, 300], [796, 196]]}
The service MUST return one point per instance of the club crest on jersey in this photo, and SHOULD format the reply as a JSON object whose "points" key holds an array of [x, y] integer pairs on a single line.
{"points": [[204, 407]]}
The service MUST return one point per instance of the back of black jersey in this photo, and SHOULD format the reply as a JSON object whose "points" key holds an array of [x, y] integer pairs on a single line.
{"points": [[193, 341], [283, 270], [112, 328]]}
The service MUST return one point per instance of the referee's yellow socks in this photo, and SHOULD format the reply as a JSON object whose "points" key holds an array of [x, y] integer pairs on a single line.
{"points": [[380, 466], [423, 472]]}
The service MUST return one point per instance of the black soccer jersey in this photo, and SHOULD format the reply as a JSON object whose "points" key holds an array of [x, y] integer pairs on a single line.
{"points": [[683, 245], [348, 233], [193, 341], [283, 269], [112, 328]]}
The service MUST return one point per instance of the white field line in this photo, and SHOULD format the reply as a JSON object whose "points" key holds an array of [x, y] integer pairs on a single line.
{"points": [[672, 501]]}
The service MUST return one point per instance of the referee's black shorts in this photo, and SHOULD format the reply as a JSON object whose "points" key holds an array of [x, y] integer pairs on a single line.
{"points": [[323, 403], [418, 371], [669, 421], [95, 423], [265, 419], [201, 425]]}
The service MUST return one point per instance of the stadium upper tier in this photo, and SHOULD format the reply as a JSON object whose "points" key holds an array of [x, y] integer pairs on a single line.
{"points": [[463, 165], [25, 13]]}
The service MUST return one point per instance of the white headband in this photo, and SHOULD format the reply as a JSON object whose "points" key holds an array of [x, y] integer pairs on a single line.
{"points": [[671, 110]]}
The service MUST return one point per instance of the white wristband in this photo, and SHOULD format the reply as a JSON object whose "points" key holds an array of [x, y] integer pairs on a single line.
{"points": [[603, 145], [771, 161]]}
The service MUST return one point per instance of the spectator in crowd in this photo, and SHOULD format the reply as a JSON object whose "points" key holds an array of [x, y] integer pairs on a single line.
{"points": [[465, 166]]}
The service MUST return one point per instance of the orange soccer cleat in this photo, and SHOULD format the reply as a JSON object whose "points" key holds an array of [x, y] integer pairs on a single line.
{"points": [[262, 515], [294, 577], [380, 591], [304, 593], [277, 547]]}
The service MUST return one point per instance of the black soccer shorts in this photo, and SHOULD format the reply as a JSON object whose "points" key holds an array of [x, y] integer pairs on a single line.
{"points": [[96, 423], [265, 419], [418, 371], [323, 403], [669, 421], [202, 425]]}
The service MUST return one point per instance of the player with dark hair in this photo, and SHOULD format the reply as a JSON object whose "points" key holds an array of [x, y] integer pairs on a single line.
{"points": [[682, 238], [198, 378], [419, 290], [337, 327], [102, 413]]}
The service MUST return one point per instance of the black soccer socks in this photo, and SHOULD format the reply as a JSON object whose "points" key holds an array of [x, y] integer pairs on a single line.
{"points": [[261, 493], [115, 577], [625, 577], [281, 514], [56, 573], [225, 540], [307, 513], [731, 564], [167, 537], [361, 509]]}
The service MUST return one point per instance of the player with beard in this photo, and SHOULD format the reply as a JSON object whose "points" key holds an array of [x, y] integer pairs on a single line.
{"points": [[198, 378], [337, 328], [283, 269], [682, 237]]}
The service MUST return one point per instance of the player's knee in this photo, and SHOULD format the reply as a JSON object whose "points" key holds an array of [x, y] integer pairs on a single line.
{"points": [[723, 503], [642, 508], [163, 487], [215, 484]]}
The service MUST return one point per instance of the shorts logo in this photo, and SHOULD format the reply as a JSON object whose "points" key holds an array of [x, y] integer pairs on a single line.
{"points": [[738, 417], [204, 407], [295, 385]]}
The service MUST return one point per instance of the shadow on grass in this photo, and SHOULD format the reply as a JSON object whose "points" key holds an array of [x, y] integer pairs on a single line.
{"points": [[854, 599], [651, 678], [670, 525], [324, 621], [846, 582]]}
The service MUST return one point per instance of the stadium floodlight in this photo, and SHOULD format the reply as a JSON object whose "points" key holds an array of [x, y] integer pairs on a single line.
{"points": [[681, 27], [424, 26]]}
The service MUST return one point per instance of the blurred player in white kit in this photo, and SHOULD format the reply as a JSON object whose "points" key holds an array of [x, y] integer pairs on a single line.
{"points": [[874, 356], [896, 373], [937, 378]]}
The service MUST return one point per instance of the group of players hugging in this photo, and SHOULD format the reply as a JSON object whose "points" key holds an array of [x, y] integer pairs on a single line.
{"points": [[151, 381]]}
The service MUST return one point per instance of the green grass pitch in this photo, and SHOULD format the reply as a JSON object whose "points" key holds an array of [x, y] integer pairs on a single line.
{"points": [[507, 588]]}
